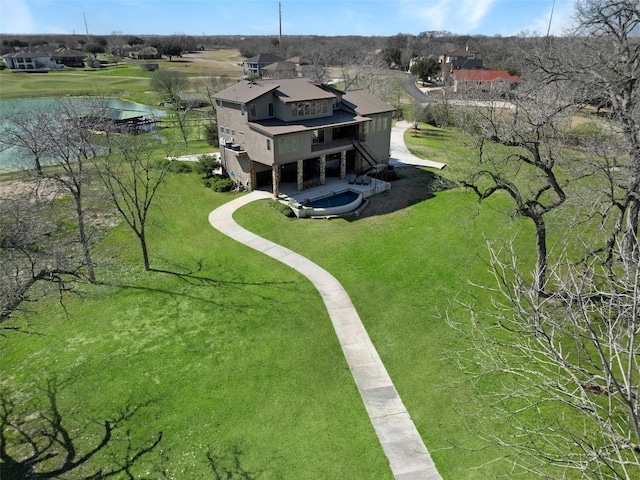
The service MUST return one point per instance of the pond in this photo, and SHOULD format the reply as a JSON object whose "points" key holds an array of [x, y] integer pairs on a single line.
{"points": [[10, 158]]}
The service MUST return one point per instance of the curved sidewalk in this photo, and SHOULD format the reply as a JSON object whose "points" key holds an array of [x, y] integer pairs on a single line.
{"points": [[400, 440], [400, 154]]}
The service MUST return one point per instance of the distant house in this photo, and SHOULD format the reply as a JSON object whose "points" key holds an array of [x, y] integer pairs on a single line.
{"points": [[252, 67], [145, 53], [297, 131], [30, 62], [69, 57], [459, 59], [495, 81], [284, 69]]}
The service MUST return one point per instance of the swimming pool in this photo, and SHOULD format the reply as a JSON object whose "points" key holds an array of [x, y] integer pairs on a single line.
{"points": [[335, 204]]}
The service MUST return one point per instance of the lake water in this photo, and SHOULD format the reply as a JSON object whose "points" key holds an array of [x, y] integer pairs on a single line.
{"points": [[10, 159]]}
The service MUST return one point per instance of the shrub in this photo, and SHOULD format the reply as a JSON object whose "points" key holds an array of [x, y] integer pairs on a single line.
{"points": [[207, 165], [282, 208], [220, 184], [174, 166], [180, 167]]}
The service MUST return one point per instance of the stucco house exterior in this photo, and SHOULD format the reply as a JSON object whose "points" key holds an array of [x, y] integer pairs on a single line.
{"points": [[295, 130], [30, 62]]}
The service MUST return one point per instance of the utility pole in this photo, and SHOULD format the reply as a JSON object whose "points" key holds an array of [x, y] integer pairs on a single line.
{"points": [[553, 7], [280, 17], [86, 27]]}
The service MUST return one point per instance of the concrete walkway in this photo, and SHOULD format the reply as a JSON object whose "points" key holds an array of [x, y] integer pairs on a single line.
{"points": [[400, 154], [400, 440]]}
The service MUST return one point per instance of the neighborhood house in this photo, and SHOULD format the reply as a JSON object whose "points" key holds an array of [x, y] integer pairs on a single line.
{"points": [[295, 130], [30, 62], [495, 81]]}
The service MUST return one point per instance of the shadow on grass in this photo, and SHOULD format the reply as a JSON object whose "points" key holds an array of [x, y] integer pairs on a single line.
{"points": [[38, 442], [192, 280], [228, 466], [413, 186]]}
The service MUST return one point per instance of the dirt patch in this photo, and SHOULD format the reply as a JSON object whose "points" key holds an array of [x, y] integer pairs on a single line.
{"points": [[34, 189]]}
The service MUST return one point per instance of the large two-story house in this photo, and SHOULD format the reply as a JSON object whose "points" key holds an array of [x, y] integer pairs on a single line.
{"points": [[295, 130]]}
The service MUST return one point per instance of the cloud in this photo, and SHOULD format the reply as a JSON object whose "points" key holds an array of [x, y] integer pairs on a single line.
{"points": [[453, 15], [15, 17]]}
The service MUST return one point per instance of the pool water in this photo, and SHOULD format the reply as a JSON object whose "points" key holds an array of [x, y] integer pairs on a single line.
{"points": [[337, 200]]}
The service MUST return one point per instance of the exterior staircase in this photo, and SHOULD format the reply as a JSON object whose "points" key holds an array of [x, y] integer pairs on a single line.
{"points": [[364, 150]]}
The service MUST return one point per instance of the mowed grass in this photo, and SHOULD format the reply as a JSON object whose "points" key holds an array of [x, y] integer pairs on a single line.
{"points": [[225, 350], [126, 80], [238, 353], [405, 272]]}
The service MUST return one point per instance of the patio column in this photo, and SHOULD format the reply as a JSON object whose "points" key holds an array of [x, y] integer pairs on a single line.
{"points": [[300, 178], [252, 175], [275, 174], [323, 169], [343, 165]]}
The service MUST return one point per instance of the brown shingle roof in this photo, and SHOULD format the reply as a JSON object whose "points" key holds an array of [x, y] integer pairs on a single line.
{"points": [[278, 66], [363, 103], [273, 126], [245, 91], [287, 90]]}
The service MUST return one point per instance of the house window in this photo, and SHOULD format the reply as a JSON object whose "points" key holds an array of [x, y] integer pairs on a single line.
{"points": [[294, 111], [288, 144], [252, 110], [242, 109], [233, 132], [271, 109], [268, 144], [221, 129], [318, 136]]}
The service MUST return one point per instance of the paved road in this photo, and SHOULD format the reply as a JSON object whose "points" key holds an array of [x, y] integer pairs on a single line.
{"points": [[409, 84], [408, 457]]}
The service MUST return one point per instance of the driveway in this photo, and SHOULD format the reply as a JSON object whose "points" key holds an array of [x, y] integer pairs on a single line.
{"points": [[400, 154]]}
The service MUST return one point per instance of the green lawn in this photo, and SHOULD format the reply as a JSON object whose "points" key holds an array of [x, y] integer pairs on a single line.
{"points": [[404, 272], [237, 351]]}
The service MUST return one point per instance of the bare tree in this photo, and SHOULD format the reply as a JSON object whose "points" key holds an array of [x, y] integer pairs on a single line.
{"points": [[23, 131], [133, 177], [34, 250], [568, 365], [598, 64], [520, 152], [71, 141], [169, 83]]}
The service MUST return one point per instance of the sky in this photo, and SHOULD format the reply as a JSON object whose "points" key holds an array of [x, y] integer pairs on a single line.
{"points": [[299, 17]]}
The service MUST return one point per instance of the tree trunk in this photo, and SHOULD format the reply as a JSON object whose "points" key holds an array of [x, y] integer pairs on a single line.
{"points": [[84, 240], [541, 256], [631, 230], [145, 253]]}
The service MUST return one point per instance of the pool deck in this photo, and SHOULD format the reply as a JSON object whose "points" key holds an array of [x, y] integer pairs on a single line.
{"points": [[289, 192]]}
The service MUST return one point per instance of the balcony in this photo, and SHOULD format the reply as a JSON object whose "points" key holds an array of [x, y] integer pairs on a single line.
{"points": [[326, 147]]}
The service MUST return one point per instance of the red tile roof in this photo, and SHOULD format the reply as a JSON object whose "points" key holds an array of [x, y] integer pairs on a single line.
{"points": [[484, 76]]}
